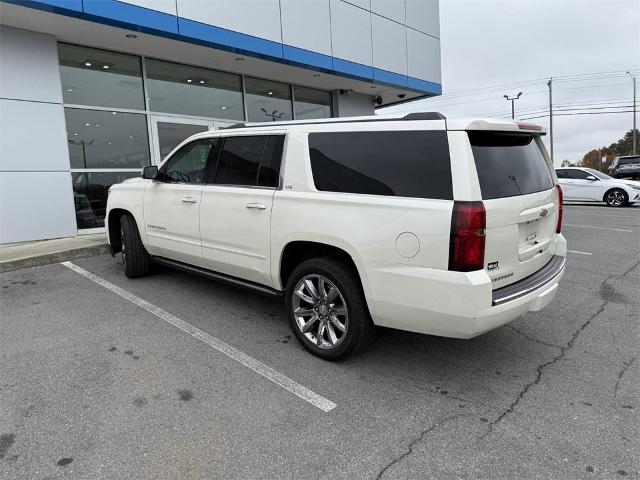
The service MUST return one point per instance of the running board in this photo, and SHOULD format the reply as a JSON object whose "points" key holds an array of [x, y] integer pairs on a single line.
{"points": [[220, 277]]}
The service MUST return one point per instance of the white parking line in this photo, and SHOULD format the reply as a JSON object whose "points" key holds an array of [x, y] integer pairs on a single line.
{"points": [[597, 228], [255, 365], [632, 217], [579, 253]]}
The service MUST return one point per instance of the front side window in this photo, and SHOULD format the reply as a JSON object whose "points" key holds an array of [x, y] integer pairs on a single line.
{"points": [[509, 164], [397, 163], [188, 165], [101, 78], [576, 174], [250, 161]]}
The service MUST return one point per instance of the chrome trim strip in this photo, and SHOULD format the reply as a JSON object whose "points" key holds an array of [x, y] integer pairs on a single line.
{"points": [[555, 270]]}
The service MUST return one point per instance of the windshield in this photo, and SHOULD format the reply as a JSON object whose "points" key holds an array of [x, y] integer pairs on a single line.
{"points": [[600, 175]]}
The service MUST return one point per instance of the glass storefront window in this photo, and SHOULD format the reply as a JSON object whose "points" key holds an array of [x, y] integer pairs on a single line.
{"points": [[100, 78], [267, 101], [90, 195], [103, 139], [182, 89], [309, 103]]}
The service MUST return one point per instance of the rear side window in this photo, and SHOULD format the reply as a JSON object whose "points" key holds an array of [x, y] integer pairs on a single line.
{"points": [[628, 161], [399, 163], [509, 165], [250, 161]]}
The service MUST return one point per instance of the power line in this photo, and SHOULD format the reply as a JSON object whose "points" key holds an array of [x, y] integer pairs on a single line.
{"points": [[573, 114]]}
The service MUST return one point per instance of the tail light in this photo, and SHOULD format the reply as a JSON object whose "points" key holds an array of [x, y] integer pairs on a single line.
{"points": [[468, 229], [559, 224]]}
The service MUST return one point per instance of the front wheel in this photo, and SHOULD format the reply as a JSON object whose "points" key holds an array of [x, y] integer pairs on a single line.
{"points": [[326, 308], [616, 198], [136, 262]]}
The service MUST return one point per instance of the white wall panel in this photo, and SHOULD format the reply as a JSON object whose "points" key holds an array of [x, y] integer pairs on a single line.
{"points": [[351, 32], [29, 66], [36, 205], [424, 56], [19, 149], [259, 18], [393, 9], [424, 15], [165, 6], [366, 4], [307, 24], [389, 45]]}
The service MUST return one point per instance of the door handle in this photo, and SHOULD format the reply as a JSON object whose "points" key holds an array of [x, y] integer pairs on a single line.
{"points": [[257, 206], [189, 200]]}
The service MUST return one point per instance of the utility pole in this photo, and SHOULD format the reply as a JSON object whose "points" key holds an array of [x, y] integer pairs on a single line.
{"points": [[550, 85], [513, 99], [634, 112]]}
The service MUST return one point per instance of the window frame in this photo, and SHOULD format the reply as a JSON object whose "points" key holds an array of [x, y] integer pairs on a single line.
{"points": [[213, 171], [161, 177]]}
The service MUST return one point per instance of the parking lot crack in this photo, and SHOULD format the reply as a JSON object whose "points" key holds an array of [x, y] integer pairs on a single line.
{"points": [[417, 440], [533, 339], [541, 368], [621, 373]]}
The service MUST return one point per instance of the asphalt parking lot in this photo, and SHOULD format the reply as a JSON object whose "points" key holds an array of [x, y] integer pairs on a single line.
{"points": [[96, 383]]}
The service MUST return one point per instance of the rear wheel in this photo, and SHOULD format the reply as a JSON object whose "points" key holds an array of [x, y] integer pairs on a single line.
{"points": [[326, 308], [136, 262], [616, 197]]}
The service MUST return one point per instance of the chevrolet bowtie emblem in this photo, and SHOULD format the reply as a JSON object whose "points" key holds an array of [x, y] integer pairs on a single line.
{"points": [[544, 212]]}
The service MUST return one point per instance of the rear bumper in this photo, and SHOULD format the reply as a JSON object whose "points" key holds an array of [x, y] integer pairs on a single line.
{"points": [[456, 304]]}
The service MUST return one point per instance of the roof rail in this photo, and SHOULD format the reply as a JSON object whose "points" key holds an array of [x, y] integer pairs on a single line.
{"points": [[410, 116]]}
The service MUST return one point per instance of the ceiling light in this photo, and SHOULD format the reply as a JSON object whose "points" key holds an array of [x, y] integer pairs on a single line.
{"points": [[87, 64], [106, 67], [189, 80], [131, 35], [131, 136], [201, 82], [114, 113], [69, 89], [239, 59], [75, 134], [97, 124], [87, 124], [224, 107], [109, 143], [269, 92]]}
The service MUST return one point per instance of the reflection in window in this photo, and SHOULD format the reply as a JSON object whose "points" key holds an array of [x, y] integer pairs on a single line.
{"points": [[309, 103], [267, 101], [175, 88], [99, 139], [90, 195], [188, 165], [98, 77]]}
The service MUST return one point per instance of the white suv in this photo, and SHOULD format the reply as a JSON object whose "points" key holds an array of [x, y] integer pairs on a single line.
{"points": [[421, 223]]}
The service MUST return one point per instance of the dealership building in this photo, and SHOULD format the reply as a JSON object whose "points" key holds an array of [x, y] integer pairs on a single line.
{"points": [[93, 90]]}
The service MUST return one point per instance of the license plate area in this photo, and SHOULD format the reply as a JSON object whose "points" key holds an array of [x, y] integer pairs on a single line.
{"points": [[534, 238]]}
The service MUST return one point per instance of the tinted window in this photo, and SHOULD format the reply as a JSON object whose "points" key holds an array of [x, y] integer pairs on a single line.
{"points": [[269, 175], [561, 173], [250, 161], [509, 165], [628, 161], [188, 165], [406, 164], [577, 174]]}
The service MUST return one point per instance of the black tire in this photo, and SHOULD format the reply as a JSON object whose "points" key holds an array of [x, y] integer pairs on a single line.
{"points": [[136, 262], [616, 197], [359, 327]]}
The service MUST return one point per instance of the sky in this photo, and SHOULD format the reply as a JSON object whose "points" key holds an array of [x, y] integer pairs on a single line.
{"points": [[486, 43]]}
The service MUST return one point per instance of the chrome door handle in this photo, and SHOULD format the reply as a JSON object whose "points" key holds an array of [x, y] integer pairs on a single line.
{"points": [[189, 200], [257, 206]]}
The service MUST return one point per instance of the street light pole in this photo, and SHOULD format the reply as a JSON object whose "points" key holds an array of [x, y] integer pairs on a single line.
{"points": [[634, 134], [513, 100]]}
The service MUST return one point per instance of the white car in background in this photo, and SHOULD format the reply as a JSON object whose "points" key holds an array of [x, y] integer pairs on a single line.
{"points": [[589, 185]]}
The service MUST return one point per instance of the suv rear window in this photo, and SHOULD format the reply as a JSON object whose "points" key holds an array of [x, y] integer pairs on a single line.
{"points": [[398, 163], [509, 164], [628, 160]]}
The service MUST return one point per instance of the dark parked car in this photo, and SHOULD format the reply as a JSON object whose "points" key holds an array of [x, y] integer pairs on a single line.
{"points": [[625, 167]]}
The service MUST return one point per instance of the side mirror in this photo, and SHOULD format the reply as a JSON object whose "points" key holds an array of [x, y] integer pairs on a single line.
{"points": [[590, 177], [150, 172]]}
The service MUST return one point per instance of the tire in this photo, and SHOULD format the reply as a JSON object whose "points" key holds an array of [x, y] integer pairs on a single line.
{"points": [[616, 197], [323, 313], [136, 262]]}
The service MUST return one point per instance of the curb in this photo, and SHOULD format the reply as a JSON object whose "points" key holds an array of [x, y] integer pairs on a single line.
{"points": [[54, 257]]}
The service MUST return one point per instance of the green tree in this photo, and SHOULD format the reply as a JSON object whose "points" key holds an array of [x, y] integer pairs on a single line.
{"points": [[623, 146], [567, 163]]}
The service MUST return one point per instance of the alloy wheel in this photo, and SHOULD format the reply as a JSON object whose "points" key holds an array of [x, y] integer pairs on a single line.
{"points": [[123, 248], [615, 198], [320, 311]]}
